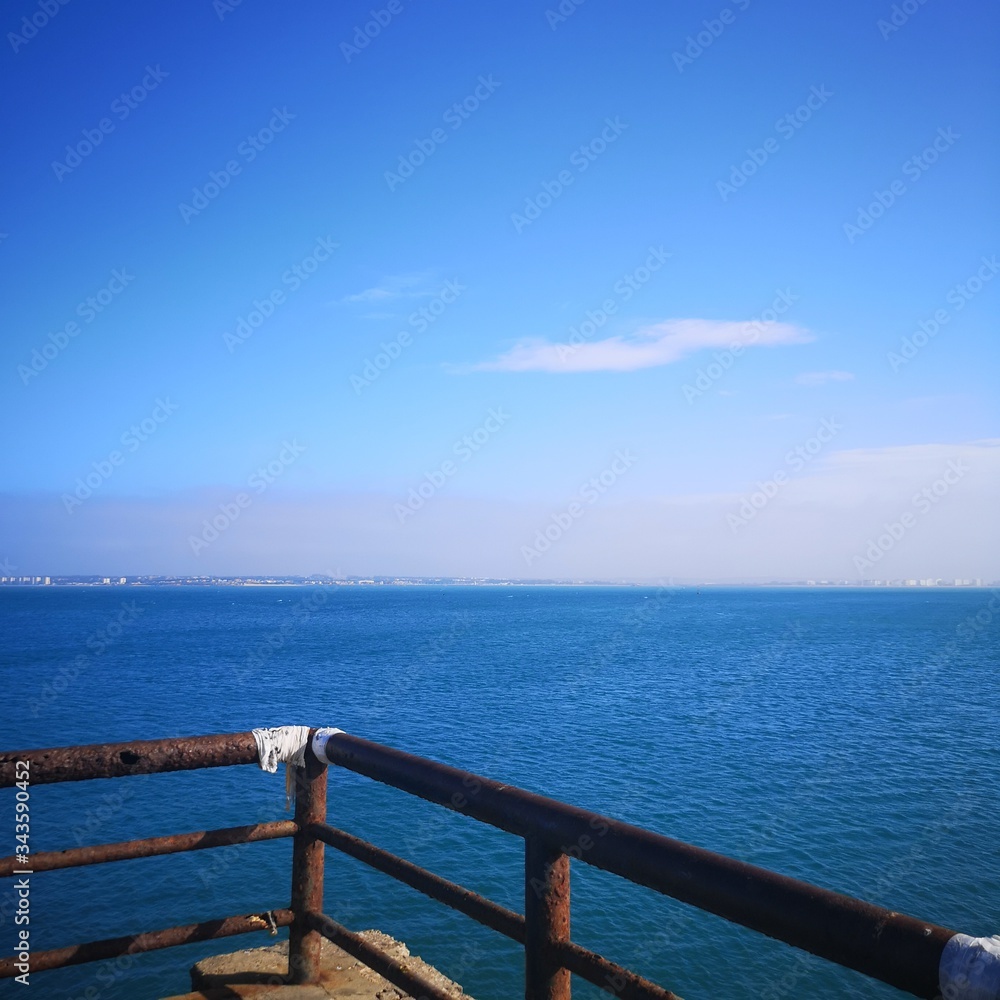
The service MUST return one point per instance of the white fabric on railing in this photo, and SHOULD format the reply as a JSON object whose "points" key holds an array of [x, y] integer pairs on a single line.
{"points": [[970, 968], [319, 742], [283, 744]]}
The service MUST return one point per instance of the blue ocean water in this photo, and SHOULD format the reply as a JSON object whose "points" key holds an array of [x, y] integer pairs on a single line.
{"points": [[846, 737]]}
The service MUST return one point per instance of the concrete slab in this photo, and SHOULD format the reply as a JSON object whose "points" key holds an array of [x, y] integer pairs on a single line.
{"points": [[259, 974]]}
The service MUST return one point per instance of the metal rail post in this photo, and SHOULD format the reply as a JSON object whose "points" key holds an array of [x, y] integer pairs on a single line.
{"points": [[304, 943], [546, 918]]}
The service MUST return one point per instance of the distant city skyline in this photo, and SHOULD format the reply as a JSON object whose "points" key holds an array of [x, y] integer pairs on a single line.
{"points": [[699, 293], [307, 581]]}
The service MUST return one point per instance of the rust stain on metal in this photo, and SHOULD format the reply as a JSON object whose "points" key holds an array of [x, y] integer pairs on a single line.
{"points": [[611, 978], [116, 760], [481, 909], [376, 959], [128, 850], [95, 951], [304, 941], [546, 920]]}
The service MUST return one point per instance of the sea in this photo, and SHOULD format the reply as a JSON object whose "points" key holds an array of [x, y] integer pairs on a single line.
{"points": [[847, 737]]}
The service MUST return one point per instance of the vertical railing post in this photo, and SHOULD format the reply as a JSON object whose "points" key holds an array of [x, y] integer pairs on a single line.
{"points": [[304, 943], [546, 919]]}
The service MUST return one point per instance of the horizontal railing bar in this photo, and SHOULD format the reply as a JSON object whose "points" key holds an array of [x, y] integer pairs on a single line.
{"points": [[170, 937], [128, 850], [889, 946], [481, 909], [117, 760], [376, 959], [610, 977], [593, 967]]}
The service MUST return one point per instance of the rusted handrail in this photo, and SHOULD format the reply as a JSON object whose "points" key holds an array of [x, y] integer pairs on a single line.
{"points": [[118, 760], [135, 944], [481, 909], [129, 850], [375, 958], [883, 944]]}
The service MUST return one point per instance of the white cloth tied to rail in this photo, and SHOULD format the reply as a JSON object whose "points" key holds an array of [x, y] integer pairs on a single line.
{"points": [[287, 745], [970, 968], [281, 745], [319, 742]]}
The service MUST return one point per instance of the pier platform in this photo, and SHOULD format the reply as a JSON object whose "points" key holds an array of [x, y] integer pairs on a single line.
{"points": [[260, 974]]}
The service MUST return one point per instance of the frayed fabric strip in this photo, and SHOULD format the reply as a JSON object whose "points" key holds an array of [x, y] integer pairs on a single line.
{"points": [[319, 742], [283, 744], [970, 968]]}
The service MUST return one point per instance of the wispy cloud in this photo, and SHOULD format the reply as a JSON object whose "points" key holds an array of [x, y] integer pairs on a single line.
{"points": [[820, 378], [375, 294], [659, 344], [396, 286]]}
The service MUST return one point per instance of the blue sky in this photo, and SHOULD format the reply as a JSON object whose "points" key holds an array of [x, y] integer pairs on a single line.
{"points": [[511, 172]]}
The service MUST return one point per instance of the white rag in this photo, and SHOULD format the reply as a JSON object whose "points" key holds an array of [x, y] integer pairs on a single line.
{"points": [[283, 744], [319, 742], [970, 968]]}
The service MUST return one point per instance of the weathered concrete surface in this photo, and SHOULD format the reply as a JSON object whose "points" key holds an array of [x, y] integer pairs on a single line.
{"points": [[260, 973]]}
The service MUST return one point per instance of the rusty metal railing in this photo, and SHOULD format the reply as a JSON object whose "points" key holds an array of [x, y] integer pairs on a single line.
{"points": [[885, 945]]}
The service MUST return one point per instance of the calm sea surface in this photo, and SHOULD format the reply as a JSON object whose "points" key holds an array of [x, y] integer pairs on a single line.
{"points": [[849, 738]]}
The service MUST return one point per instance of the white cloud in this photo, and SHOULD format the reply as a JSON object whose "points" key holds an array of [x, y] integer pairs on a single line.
{"points": [[659, 344], [370, 295], [393, 287], [820, 378]]}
